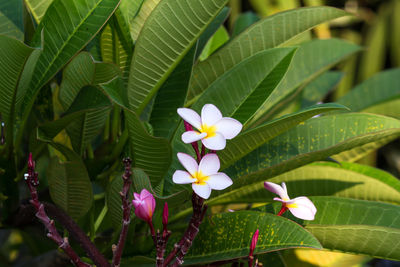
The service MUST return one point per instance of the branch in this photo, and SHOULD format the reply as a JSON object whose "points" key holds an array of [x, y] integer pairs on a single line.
{"points": [[31, 179], [126, 207], [182, 247]]}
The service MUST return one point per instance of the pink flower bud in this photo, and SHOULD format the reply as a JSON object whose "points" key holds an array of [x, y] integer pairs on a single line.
{"points": [[144, 205], [165, 215], [31, 163], [254, 242]]}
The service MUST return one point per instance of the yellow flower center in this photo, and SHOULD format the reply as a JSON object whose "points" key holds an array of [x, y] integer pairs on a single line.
{"points": [[293, 205], [201, 179], [209, 130]]}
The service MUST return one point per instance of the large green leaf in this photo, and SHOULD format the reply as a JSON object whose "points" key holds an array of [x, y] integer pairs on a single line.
{"points": [[114, 49], [65, 29], [142, 10], [80, 72], [357, 226], [151, 154], [310, 60], [250, 140], [163, 41], [70, 186], [382, 87], [243, 89], [38, 8], [228, 236], [271, 32], [220, 37], [83, 130], [14, 55], [316, 139], [83, 71], [170, 97], [317, 89], [11, 19], [324, 179]]}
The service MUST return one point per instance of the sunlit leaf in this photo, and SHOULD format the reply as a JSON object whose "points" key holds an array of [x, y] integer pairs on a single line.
{"points": [[267, 33], [228, 236], [164, 40]]}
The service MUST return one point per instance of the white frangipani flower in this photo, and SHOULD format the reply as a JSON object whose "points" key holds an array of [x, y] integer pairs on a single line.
{"points": [[203, 176], [213, 129], [300, 207]]}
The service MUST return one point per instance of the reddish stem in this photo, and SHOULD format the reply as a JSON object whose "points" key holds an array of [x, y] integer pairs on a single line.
{"points": [[183, 246], [195, 145], [283, 210], [126, 207], [31, 179]]}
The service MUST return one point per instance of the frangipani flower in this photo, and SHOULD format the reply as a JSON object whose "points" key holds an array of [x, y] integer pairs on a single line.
{"points": [[300, 207], [213, 129], [144, 205], [203, 176]]}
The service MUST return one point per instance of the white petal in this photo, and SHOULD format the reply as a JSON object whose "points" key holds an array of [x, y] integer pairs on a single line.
{"points": [[203, 190], [190, 116], [182, 177], [228, 127], [192, 136], [284, 187], [209, 164], [219, 181], [188, 162], [276, 189], [217, 142], [304, 208], [210, 114]]}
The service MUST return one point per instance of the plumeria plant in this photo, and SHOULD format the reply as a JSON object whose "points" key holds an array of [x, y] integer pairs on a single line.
{"points": [[147, 133]]}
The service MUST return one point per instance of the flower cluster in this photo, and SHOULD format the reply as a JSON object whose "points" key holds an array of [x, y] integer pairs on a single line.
{"points": [[212, 130]]}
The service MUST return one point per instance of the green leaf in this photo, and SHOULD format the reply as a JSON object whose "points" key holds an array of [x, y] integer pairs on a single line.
{"points": [[151, 154], [227, 236], [220, 37], [114, 49], [311, 59], [317, 89], [82, 131], [14, 54], [163, 41], [244, 21], [65, 29], [38, 8], [324, 179], [129, 10], [251, 139], [270, 32], [244, 88], [11, 19], [142, 10], [70, 186], [380, 88], [357, 226], [170, 97], [316, 139], [211, 29], [116, 91]]}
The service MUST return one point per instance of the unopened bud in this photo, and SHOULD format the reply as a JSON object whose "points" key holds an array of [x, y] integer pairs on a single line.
{"points": [[254, 242], [31, 163], [165, 215]]}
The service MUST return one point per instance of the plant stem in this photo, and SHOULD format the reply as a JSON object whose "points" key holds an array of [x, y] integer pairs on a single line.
{"points": [[126, 207], [31, 179], [182, 247]]}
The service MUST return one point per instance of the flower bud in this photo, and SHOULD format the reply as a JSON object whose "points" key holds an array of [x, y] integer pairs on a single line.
{"points": [[144, 204], [165, 215], [254, 242]]}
